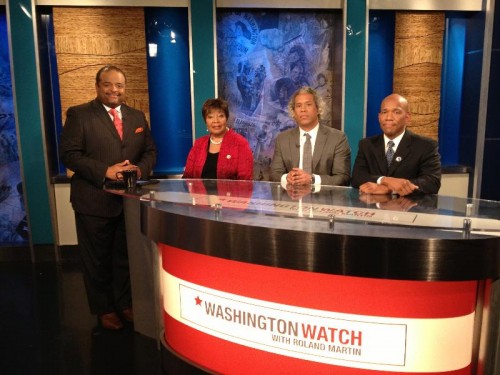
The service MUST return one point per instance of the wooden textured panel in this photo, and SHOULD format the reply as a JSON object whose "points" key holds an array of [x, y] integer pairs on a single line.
{"points": [[87, 39], [418, 55]]}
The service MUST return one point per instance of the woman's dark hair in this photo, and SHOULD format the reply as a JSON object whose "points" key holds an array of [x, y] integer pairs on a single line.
{"points": [[212, 104]]}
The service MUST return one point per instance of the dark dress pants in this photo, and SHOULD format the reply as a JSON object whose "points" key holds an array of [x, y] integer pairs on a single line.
{"points": [[103, 253]]}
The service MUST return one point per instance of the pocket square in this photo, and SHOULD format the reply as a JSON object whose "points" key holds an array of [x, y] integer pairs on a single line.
{"points": [[139, 130]]}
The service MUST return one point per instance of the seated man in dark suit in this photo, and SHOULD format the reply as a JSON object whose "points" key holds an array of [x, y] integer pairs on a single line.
{"points": [[310, 153], [398, 161]]}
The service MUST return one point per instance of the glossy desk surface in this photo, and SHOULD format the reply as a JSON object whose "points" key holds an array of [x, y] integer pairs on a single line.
{"points": [[334, 230]]}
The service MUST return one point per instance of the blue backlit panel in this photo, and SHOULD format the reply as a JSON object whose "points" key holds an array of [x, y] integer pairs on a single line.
{"points": [[167, 36], [13, 226]]}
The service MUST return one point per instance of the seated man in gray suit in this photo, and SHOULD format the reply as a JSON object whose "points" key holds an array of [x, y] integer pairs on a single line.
{"points": [[310, 153], [398, 161]]}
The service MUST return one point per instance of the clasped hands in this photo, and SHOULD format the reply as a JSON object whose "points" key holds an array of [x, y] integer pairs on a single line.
{"points": [[389, 185], [298, 177], [120, 167]]}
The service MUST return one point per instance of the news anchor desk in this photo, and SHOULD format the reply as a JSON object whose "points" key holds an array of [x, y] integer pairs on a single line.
{"points": [[257, 280]]}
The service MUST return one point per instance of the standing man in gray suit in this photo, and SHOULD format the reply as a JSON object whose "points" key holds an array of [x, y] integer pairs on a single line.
{"points": [[100, 139], [397, 161], [310, 153]]}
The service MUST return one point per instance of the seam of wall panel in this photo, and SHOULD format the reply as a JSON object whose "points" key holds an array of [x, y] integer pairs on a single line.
{"points": [[456, 5], [214, 33], [290, 4], [344, 54], [483, 98], [114, 3], [18, 132], [367, 40], [191, 73]]}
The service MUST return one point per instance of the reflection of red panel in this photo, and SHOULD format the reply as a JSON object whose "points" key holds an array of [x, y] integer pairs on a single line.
{"points": [[242, 189], [225, 188], [352, 295]]}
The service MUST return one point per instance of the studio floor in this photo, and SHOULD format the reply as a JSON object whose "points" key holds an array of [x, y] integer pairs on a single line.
{"points": [[46, 327]]}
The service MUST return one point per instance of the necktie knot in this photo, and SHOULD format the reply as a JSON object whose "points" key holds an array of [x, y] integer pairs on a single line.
{"points": [[117, 121], [390, 152]]}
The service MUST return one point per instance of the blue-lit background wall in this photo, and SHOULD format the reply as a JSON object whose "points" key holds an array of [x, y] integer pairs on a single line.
{"points": [[460, 83], [50, 89], [491, 177], [380, 65], [263, 57], [13, 226], [167, 37]]}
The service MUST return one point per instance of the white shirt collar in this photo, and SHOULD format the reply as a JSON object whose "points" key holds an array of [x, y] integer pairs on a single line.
{"points": [[118, 109], [313, 133], [395, 140]]}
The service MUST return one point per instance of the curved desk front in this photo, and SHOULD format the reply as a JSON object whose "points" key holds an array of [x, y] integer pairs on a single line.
{"points": [[256, 279]]}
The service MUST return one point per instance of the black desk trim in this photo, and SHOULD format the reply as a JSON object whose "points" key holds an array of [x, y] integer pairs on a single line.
{"points": [[348, 255]]}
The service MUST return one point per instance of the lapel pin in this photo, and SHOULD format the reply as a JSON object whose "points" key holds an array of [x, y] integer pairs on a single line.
{"points": [[398, 159]]}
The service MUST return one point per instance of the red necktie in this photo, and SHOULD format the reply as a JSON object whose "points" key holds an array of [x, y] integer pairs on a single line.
{"points": [[117, 121]]}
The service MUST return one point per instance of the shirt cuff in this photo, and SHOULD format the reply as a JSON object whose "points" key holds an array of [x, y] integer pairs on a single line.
{"points": [[283, 179], [379, 180]]}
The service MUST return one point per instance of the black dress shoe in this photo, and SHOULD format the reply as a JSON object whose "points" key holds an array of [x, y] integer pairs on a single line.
{"points": [[128, 314], [110, 321]]}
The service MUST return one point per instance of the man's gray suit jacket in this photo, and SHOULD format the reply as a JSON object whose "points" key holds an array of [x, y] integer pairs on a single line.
{"points": [[331, 156]]}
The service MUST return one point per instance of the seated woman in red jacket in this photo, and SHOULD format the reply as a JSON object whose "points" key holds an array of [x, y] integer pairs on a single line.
{"points": [[222, 153]]}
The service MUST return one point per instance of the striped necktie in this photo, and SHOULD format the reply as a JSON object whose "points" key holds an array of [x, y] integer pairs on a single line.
{"points": [[390, 153], [117, 121]]}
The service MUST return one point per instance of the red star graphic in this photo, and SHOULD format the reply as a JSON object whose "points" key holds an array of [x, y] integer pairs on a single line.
{"points": [[198, 301]]}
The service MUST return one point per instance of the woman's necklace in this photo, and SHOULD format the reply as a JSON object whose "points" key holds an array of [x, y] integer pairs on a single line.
{"points": [[215, 142]]}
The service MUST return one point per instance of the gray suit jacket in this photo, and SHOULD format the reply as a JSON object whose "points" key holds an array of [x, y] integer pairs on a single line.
{"points": [[90, 144], [331, 156]]}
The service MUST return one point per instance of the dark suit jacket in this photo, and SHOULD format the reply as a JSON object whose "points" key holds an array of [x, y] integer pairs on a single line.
{"points": [[416, 159], [90, 144], [331, 157]]}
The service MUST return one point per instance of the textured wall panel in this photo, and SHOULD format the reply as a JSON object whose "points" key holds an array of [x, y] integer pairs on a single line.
{"points": [[418, 54], [88, 38]]}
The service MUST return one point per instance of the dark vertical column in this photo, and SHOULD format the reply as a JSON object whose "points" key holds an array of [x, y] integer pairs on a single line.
{"points": [[203, 58], [355, 15], [490, 176], [21, 20]]}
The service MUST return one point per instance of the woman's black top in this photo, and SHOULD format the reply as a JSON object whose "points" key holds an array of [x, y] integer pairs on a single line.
{"points": [[210, 167]]}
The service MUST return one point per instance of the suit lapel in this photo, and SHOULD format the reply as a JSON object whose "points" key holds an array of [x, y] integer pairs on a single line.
{"points": [[125, 117], [319, 145], [294, 150], [379, 150]]}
